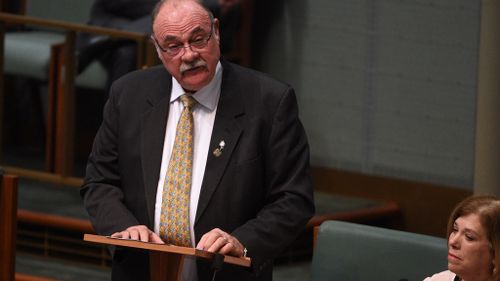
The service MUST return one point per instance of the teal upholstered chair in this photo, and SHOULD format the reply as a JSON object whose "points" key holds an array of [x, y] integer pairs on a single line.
{"points": [[27, 52], [353, 252]]}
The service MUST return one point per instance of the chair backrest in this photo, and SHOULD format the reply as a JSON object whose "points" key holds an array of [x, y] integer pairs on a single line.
{"points": [[353, 252], [8, 226], [77, 11]]}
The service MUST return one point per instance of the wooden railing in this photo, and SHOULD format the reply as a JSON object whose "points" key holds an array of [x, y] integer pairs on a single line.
{"points": [[8, 224]]}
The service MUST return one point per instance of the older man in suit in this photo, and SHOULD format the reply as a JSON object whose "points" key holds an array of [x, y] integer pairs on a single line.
{"points": [[246, 176]]}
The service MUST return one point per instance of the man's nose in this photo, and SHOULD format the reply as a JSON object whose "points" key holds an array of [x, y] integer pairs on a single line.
{"points": [[189, 54]]}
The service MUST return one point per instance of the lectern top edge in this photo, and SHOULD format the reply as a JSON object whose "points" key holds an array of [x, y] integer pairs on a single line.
{"points": [[163, 248]]}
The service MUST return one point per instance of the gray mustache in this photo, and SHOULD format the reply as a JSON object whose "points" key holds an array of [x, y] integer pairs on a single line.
{"points": [[188, 66]]}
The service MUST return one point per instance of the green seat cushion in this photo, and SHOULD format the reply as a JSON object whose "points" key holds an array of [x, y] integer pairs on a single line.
{"points": [[354, 252], [27, 53], [93, 77]]}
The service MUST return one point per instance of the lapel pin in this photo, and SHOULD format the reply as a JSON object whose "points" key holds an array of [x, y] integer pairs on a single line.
{"points": [[219, 149]]}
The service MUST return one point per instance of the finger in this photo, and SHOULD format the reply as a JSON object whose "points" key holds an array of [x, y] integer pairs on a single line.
{"points": [[122, 235], [201, 244], [153, 237], [116, 235], [217, 245], [143, 234], [134, 234], [211, 239], [235, 248], [207, 240], [227, 249]]}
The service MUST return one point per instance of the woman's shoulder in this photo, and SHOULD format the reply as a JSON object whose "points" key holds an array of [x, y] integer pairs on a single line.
{"points": [[441, 276]]}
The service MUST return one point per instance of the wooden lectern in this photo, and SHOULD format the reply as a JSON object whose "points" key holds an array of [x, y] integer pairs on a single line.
{"points": [[165, 260]]}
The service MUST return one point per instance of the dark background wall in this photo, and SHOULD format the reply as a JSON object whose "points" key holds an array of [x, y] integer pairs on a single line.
{"points": [[385, 87], [398, 97]]}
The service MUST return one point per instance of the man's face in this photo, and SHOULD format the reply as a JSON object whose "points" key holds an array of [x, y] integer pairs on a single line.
{"points": [[182, 29]]}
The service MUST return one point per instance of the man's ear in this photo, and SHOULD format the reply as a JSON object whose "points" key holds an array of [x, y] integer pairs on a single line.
{"points": [[216, 30], [159, 53]]}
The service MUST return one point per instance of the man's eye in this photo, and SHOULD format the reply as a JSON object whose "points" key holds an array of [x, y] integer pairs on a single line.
{"points": [[197, 41], [173, 46]]}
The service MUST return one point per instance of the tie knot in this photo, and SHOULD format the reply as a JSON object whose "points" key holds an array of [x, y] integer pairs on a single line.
{"points": [[188, 101]]}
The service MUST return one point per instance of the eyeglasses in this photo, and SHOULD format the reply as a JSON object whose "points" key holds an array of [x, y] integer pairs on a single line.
{"points": [[196, 44]]}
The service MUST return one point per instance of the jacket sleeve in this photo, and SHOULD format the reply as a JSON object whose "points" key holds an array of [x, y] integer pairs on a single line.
{"points": [[289, 193], [101, 192]]}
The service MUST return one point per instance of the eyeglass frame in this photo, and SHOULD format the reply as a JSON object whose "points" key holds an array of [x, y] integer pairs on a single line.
{"points": [[189, 44]]}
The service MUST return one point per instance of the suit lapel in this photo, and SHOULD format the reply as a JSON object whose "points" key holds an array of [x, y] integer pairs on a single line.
{"points": [[227, 128], [153, 126]]}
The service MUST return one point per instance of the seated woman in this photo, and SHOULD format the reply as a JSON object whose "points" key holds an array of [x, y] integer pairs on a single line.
{"points": [[473, 241]]}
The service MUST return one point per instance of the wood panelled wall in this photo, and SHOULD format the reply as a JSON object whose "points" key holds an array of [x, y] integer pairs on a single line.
{"points": [[425, 207]]}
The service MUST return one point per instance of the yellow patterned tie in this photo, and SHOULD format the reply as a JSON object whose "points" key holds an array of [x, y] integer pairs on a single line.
{"points": [[174, 219]]}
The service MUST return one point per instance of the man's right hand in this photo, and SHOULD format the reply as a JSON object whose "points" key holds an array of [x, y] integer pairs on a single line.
{"points": [[140, 233]]}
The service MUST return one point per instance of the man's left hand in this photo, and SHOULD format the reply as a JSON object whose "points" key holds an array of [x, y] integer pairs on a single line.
{"points": [[218, 241]]}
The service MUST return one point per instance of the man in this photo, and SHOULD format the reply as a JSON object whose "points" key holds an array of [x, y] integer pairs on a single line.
{"points": [[250, 188]]}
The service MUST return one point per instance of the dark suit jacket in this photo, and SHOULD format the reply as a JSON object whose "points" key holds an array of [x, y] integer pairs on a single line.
{"points": [[259, 189]]}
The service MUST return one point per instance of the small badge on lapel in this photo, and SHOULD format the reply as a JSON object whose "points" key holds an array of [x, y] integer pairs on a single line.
{"points": [[219, 149]]}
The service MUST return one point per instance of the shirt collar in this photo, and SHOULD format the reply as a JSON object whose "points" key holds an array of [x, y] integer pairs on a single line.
{"points": [[206, 96]]}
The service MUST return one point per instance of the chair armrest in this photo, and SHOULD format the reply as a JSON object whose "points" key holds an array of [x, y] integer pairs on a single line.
{"points": [[146, 54], [63, 25]]}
